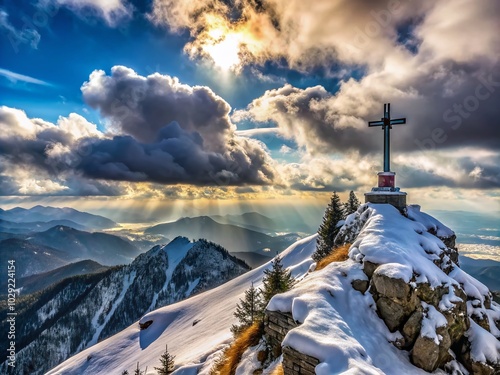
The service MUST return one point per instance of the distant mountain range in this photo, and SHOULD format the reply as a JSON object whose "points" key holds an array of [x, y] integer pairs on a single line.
{"points": [[31, 258], [249, 220], [37, 226], [44, 251], [485, 270], [82, 310], [103, 248], [48, 214], [234, 238], [261, 223]]}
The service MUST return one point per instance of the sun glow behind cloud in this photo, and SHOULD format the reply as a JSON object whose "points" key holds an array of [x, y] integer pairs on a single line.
{"points": [[225, 52], [219, 43]]}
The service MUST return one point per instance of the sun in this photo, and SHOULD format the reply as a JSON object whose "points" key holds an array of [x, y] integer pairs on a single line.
{"points": [[224, 51]]}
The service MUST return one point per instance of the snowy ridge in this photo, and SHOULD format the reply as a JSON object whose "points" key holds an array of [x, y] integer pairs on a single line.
{"points": [[193, 329], [128, 279]]}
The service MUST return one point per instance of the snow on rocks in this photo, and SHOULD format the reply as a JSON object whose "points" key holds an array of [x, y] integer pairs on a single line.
{"points": [[442, 316]]}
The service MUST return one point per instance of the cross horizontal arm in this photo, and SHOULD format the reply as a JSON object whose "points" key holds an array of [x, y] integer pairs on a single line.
{"points": [[398, 121], [376, 123]]}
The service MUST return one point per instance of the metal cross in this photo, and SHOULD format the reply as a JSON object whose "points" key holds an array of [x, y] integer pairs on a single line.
{"points": [[386, 124]]}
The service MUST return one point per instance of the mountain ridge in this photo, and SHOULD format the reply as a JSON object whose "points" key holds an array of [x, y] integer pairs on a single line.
{"points": [[47, 213], [232, 237], [82, 310]]}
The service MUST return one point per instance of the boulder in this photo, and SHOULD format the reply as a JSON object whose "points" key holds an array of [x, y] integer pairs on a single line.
{"points": [[360, 285], [430, 295], [145, 325], [369, 268], [396, 300], [396, 289], [393, 313], [425, 354], [412, 327]]}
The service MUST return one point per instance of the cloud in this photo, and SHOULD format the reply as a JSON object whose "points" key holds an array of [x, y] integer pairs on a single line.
{"points": [[310, 117], [186, 128], [38, 157], [437, 65], [141, 106], [350, 172], [13, 76], [351, 32]]}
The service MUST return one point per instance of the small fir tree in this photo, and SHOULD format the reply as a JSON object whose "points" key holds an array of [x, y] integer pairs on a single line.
{"points": [[276, 280], [329, 228], [249, 310], [352, 204], [138, 371], [167, 363]]}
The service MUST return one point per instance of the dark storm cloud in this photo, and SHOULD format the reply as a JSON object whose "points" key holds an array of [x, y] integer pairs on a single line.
{"points": [[168, 134], [176, 157], [177, 134]]}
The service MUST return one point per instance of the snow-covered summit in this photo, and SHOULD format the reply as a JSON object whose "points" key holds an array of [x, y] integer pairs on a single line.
{"points": [[414, 306]]}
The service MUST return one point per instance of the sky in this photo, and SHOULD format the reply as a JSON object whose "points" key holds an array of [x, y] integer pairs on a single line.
{"points": [[246, 104]]}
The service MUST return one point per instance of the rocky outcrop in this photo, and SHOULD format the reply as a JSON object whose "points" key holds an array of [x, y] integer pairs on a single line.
{"points": [[406, 265], [434, 319], [408, 306]]}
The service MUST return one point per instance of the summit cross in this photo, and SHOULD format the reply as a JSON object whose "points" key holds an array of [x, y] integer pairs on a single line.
{"points": [[386, 123]]}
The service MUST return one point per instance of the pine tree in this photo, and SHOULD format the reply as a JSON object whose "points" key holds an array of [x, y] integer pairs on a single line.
{"points": [[328, 228], [352, 204], [167, 363], [249, 310], [276, 280], [138, 370]]}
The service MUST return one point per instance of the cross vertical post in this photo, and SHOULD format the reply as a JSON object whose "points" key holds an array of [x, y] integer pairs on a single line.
{"points": [[387, 137], [386, 123]]}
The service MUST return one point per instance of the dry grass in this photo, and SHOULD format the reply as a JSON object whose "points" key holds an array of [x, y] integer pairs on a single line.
{"points": [[232, 355], [278, 370], [338, 254]]}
